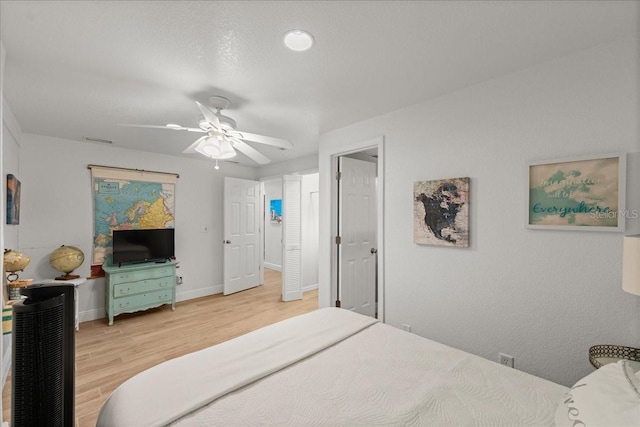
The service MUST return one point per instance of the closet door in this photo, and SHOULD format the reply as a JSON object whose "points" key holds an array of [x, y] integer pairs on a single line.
{"points": [[292, 238]]}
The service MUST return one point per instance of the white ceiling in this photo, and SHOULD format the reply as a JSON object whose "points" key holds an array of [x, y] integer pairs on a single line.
{"points": [[77, 69]]}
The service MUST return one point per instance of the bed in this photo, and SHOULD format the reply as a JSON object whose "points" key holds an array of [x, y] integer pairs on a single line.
{"points": [[334, 367]]}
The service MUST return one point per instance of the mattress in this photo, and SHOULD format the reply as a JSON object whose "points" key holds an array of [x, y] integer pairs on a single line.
{"points": [[332, 367]]}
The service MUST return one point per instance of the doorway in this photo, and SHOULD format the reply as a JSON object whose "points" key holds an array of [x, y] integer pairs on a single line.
{"points": [[341, 285], [301, 255]]}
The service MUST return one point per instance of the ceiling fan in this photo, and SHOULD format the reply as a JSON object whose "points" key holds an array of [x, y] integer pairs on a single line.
{"points": [[222, 139]]}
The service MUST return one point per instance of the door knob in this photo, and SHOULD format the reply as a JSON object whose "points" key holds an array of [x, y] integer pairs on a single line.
{"points": [[374, 251]]}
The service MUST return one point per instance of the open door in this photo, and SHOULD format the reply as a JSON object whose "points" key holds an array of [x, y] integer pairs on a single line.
{"points": [[357, 230], [292, 237], [241, 235]]}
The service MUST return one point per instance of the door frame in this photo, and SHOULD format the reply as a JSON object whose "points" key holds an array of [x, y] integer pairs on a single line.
{"points": [[333, 154]]}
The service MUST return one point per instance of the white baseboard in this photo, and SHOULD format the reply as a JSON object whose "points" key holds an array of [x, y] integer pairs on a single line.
{"points": [[204, 292], [309, 288], [85, 316], [272, 266]]}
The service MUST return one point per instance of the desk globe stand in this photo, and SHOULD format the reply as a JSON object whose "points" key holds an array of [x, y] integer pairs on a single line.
{"points": [[68, 277]]}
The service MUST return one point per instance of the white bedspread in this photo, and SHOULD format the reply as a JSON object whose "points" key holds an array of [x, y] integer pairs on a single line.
{"points": [[172, 389], [379, 375]]}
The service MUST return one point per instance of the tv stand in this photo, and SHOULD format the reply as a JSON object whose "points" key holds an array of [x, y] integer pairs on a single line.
{"points": [[137, 287]]}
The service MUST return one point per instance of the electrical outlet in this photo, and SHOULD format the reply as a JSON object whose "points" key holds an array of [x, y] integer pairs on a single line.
{"points": [[406, 327], [178, 280], [506, 360]]}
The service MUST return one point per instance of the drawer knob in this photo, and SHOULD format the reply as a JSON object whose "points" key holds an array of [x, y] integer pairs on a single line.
{"points": [[124, 305]]}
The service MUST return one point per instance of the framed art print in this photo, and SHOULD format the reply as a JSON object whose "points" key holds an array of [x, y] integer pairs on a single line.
{"points": [[13, 200], [441, 212], [586, 193]]}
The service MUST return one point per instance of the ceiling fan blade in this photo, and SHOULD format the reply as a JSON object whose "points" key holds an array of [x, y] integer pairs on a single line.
{"points": [[176, 127], [192, 148], [209, 115], [128, 125], [250, 152], [268, 140]]}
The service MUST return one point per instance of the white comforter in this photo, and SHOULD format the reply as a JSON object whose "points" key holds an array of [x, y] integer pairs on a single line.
{"points": [[333, 368]]}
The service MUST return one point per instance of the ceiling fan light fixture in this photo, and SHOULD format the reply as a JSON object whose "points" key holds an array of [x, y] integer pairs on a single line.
{"points": [[298, 40], [226, 149], [213, 149]]}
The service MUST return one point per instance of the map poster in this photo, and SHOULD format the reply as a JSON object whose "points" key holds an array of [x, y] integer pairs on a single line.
{"points": [[578, 194], [441, 212], [124, 204]]}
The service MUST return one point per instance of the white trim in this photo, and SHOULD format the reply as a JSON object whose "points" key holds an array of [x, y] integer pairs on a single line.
{"points": [[331, 156], [203, 292], [309, 288], [261, 225], [272, 266], [99, 313], [88, 315]]}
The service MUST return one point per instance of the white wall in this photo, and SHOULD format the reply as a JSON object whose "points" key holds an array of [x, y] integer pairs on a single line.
{"points": [[57, 208], [4, 359], [272, 230], [310, 228], [11, 135], [302, 165], [542, 296]]}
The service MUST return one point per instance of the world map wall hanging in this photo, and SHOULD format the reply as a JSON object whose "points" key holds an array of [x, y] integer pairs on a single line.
{"points": [[126, 199], [441, 212]]}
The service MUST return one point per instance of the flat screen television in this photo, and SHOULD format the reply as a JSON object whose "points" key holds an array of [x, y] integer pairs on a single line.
{"points": [[130, 246]]}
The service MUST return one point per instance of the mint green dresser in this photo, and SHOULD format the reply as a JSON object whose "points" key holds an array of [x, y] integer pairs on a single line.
{"points": [[137, 287]]}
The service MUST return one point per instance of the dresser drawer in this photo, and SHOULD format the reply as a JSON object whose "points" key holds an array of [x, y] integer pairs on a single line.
{"points": [[132, 276], [148, 299], [142, 286]]}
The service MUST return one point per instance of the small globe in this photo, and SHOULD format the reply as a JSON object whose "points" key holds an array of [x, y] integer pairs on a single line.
{"points": [[14, 261], [66, 259]]}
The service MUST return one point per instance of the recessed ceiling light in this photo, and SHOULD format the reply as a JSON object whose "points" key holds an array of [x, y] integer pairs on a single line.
{"points": [[298, 40]]}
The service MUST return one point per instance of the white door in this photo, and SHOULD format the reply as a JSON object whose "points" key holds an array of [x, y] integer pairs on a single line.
{"points": [[241, 234], [357, 231], [291, 237]]}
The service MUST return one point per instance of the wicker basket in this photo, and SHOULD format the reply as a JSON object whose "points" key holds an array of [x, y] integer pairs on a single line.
{"points": [[612, 351]]}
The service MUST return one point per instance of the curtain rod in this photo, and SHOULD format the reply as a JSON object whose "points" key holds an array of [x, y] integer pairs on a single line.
{"points": [[134, 170]]}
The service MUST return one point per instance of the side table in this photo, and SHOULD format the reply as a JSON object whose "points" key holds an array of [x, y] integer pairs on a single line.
{"points": [[75, 282], [602, 354]]}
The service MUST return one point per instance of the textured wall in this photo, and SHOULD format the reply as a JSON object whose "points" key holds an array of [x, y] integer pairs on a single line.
{"points": [[57, 208], [542, 296]]}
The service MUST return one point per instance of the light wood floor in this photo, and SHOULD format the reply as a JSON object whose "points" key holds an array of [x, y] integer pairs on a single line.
{"points": [[106, 356]]}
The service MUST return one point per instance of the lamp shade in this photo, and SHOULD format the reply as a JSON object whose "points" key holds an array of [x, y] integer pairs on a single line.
{"points": [[631, 265]]}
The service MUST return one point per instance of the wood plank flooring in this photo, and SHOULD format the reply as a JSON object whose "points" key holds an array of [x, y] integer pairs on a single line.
{"points": [[106, 356]]}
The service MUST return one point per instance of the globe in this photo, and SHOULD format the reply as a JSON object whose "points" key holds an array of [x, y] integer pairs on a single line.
{"points": [[14, 261], [66, 259]]}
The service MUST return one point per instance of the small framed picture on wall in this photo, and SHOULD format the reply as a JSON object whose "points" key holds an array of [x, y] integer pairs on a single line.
{"points": [[13, 200]]}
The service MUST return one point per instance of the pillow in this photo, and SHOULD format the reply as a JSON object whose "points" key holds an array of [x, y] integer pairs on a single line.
{"points": [[610, 396]]}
